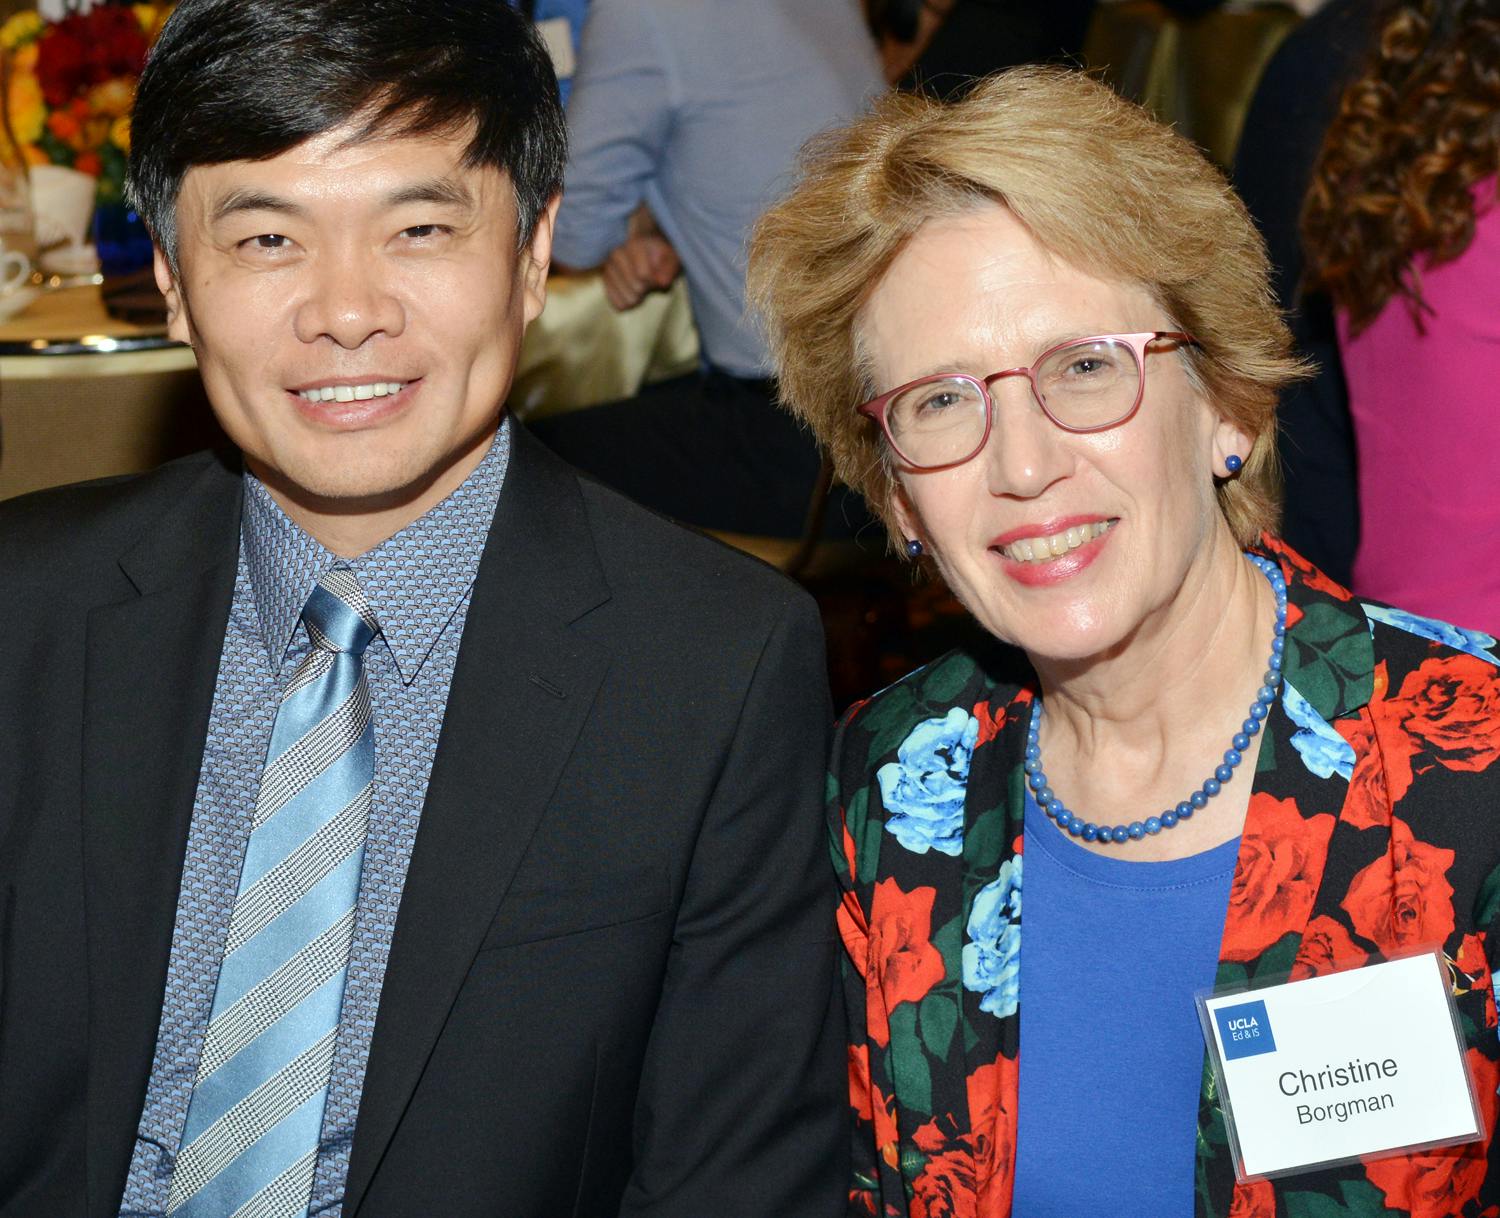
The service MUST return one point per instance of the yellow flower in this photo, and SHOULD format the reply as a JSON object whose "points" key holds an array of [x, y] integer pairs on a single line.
{"points": [[152, 17], [21, 29], [28, 112], [119, 133], [25, 59], [112, 98]]}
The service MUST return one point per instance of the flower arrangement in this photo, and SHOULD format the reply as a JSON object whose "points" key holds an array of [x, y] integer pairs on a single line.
{"points": [[72, 82]]}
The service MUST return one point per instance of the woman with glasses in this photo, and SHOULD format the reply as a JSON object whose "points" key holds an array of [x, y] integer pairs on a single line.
{"points": [[1033, 329]]}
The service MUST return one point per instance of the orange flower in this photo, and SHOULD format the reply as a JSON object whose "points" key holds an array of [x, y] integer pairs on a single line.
{"points": [[1282, 854], [89, 163], [1253, 1199], [1440, 1183], [1452, 706], [1326, 948], [903, 964], [1403, 899], [992, 1116], [64, 124], [945, 1189]]}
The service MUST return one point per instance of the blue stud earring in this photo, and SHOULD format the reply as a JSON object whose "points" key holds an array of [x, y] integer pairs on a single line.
{"points": [[1233, 463], [913, 548]]}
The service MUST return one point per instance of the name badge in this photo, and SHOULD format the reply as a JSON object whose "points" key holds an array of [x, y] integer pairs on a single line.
{"points": [[1337, 1068]]}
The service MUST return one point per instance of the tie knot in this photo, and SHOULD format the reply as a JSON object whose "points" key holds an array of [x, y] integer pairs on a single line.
{"points": [[337, 617]]}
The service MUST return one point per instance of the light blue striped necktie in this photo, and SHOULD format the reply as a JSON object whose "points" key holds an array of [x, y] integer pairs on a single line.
{"points": [[251, 1140]]}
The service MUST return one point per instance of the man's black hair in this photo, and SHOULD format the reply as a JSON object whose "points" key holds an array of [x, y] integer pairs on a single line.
{"points": [[233, 80]]}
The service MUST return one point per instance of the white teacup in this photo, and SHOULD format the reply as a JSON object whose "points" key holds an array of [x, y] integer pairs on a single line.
{"points": [[62, 200], [15, 270]]}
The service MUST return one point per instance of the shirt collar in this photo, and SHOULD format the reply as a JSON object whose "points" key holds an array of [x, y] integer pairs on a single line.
{"points": [[414, 581]]}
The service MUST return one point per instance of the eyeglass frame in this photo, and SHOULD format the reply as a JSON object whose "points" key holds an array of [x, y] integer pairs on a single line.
{"points": [[875, 408]]}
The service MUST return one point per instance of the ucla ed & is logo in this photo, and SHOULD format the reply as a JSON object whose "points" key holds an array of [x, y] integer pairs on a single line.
{"points": [[1245, 1030]]}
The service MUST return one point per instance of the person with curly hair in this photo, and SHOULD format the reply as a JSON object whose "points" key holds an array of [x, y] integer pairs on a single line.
{"points": [[1403, 233]]}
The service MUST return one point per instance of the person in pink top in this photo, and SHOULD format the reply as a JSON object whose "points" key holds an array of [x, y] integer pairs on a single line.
{"points": [[1403, 230]]}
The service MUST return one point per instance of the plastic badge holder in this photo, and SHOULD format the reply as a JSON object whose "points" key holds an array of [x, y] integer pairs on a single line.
{"points": [[1346, 1080]]}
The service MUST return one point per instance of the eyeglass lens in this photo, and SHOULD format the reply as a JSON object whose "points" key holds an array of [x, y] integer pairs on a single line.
{"points": [[1082, 387]]}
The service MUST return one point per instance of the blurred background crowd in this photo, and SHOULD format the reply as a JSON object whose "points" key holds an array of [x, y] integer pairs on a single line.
{"points": [[1362, 135]]}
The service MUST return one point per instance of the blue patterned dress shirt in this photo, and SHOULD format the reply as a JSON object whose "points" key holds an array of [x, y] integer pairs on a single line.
{"points": [[418, 583]]}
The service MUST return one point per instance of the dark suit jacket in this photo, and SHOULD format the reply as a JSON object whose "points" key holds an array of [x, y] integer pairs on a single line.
{"points": [[611, 984]]}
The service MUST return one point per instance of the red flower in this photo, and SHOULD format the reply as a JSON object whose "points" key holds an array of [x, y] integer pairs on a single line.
{"points": [[859, 1082], [1253, 1199], [1439, 1183], [1292, 562], [1282, 854], [870, 1105], [1382, 765], [903, 964], [1403, 899], [989, 726], [1326, 948], [86, 49], [1452, 705], [992, 1114], [945, 1189]]}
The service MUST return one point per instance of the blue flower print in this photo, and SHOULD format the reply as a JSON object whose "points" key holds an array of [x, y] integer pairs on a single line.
{"points": [[992, 957], [1475, 642], [923, 788], [1324, 751]]}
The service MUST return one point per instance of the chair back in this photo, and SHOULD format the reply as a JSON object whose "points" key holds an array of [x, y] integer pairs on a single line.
{"points": [[1132, 44], [1220, 58]]}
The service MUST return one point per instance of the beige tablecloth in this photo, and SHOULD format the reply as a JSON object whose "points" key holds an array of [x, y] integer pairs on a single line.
{"points": [[64, 418]]}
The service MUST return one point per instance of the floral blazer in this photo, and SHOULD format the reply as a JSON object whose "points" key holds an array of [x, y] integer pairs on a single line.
{"points": [[1374, 825]]}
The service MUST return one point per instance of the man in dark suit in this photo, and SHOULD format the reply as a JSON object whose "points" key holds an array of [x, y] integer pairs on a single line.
{"points": [[392, 822]]}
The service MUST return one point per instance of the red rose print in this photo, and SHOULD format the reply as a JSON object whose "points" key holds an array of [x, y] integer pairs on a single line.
{"points": [[870, 1105], [989, 726], [1452, 707], [1440, 1183], [1291, 562], [945, 1189], [855, 932], [1382, 765], [1255, 1199], [1326, 948], [859, 1081], [1282, 854], [851, 855], [1403, 899], [992, 1116], [903, 964]]}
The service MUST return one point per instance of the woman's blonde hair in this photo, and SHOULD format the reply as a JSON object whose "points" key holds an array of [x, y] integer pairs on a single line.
{"points": [[1095, 179]]}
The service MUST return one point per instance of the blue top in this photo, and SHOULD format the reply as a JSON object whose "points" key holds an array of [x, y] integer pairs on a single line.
{"points": [[1111, 1047], [417, 583], [698, 108]]}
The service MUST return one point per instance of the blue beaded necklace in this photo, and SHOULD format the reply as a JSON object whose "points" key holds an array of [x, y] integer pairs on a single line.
{"points": [[1049, 803]]}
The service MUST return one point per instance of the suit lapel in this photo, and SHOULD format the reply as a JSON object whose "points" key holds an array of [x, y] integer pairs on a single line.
{"points": [[521, 690], [151, 664]]}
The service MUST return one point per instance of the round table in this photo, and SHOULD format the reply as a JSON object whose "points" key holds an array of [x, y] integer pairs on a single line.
{"points": [[84, 395]]}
